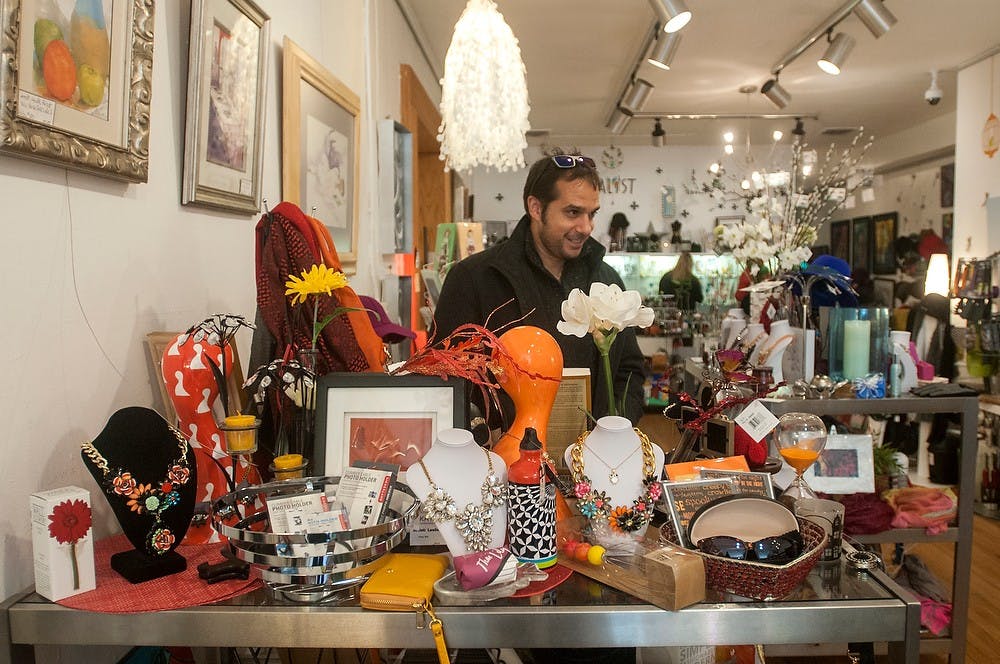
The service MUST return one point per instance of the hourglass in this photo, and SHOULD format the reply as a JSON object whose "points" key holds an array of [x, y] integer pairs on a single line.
{"points": [[800, 439]]}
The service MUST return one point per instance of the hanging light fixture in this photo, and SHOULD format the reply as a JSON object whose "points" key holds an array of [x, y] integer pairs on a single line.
{"points": [[875, 16], [618, 121], [838, 50], [664, 50], [659, 136], [484, 95], [635, 97], [673, 14], [938, 275], [776, 94]]}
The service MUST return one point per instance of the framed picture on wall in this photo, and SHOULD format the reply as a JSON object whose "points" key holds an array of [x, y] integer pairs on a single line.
{"points": [[77, 85], [885, 290], [884, 243], [227, 87], [840, 239], [948, 185], [947, 228], [320, 148], [861, 243]]}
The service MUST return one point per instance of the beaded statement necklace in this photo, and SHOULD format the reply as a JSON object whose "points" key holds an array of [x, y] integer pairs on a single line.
{"points": [[475, 522], [596, 505], [152, 499]]}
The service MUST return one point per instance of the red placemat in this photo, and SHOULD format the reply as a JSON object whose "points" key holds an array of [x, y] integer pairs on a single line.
{"points": [[557, 574], [116, 595]]}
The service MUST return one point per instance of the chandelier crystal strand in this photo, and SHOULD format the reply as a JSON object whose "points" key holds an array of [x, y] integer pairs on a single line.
{"points": [[484, 94]]}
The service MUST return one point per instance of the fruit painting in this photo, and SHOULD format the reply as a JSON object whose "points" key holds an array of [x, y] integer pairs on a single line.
{"points": [[71, 56]]}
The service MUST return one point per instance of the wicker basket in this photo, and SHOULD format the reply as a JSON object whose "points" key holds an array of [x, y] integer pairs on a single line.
{"points": [[333, 561], [749, 578]]}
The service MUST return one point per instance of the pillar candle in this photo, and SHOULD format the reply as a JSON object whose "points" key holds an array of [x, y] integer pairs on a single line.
{"points": [[241, 434], [857, 345]]}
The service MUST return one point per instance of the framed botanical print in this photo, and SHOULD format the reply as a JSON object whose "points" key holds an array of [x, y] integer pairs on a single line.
{"points": [[840, 239], [320, 148], [76, 84], [227, 90], [861, 246], [884, 243]]}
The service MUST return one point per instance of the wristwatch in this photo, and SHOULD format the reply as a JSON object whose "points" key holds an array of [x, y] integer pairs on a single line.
{"points": [[863, 561]]}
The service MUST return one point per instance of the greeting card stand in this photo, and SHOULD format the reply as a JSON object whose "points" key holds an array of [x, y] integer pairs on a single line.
{"points": [[147, 455]]}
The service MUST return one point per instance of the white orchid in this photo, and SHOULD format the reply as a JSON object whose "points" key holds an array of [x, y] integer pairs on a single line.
{"points": [[605, 312]]}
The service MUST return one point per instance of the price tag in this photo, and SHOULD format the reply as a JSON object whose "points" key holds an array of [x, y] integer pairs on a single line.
{"points": [[35, 108], [757, 420]]}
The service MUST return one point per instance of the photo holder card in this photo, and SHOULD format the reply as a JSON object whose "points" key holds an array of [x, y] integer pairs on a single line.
{"points": [[683, 499], [846, 465], [751, 483]]}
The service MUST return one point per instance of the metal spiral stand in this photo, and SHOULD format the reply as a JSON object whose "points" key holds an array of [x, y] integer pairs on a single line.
{"points": [[313, 567]]}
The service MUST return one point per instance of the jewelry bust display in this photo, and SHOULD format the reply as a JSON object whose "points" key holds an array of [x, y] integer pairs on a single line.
{"points": [[464, 492], [774, 348], [616, 472], [147, 472]]}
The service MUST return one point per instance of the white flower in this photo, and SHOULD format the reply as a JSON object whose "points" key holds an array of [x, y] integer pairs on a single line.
{"points": [[577, 315], [615, 309]]}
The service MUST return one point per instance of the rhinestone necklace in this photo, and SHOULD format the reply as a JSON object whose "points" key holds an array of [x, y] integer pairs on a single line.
{"points": [[475, 522], [153, 499], [613, 475]]}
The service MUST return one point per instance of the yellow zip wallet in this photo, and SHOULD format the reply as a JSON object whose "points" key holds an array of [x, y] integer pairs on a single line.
{"points": [[405, 582]]}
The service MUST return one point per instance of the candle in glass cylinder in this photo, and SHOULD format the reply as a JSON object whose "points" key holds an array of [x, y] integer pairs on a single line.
{"points": [[241, 434], [288, 466], [857, 344]]}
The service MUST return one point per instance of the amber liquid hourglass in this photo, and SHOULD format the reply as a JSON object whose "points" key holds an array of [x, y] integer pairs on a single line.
{"points": [[800, 439]]}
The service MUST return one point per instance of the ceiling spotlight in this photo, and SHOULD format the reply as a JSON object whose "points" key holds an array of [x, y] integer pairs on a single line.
{"points": [[775, 93], [728, 137], [664, 50], [673, 14], [618, 121], [636, 96], [658, 134], [728, 148], [713, 168], [836, 53], [799, 131], [776, 136], [875, 16]]}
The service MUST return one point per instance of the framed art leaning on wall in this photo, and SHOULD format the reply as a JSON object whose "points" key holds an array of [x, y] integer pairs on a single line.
{"points": [[320, 148], [76, 84], [226, 95]]}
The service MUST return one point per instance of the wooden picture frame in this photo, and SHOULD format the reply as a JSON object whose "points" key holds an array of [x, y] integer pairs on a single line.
{"points": [[101, 127], [861, 243], [382, 418], [883, 229], [226, 99], [840, 239], [846, 465], [158, 342], [320, 148]]}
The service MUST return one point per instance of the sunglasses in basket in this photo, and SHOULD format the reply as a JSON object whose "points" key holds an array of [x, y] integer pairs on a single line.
{"points": [[774, 550]]}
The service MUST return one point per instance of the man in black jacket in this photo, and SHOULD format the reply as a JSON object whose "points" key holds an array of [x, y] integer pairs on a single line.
{"points": [[549, 253]]}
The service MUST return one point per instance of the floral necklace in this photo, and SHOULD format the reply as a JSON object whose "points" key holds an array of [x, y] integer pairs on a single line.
{"points": [[475, 522], [153, 499], [596, 505]]}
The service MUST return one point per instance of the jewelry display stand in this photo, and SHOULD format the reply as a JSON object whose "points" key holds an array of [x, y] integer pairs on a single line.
{"points": [[459, 467], [733, 323], [613, 462], [133, 459], [754, 337], [774, 348]]}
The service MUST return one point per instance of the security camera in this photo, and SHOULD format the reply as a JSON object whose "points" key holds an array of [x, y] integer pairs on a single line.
{"points": [[933, 93]]}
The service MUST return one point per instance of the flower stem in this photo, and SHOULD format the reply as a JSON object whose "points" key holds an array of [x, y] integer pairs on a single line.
{"points": [[76, 568], [609, 385], [315, 332]]}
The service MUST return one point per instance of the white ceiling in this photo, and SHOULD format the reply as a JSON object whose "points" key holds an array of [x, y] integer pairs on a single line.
{"points": [[579, 55]]}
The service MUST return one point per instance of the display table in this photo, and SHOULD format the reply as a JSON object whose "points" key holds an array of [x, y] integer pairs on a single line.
{"points": [[834, 605]]}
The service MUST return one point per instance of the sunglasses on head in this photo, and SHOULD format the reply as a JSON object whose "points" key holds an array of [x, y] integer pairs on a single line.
{"points": [[571, 160], [775, 550]]}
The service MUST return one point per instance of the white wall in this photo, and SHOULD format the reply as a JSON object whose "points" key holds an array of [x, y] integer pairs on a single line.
{"points": [[92, 265]]}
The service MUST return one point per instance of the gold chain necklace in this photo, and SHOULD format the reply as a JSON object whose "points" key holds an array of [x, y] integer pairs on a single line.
{"points": [[613, 475], [153, 499]]}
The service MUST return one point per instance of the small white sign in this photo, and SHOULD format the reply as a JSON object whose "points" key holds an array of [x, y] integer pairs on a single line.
{"points": [[37, 109], [837, 194], [867, 195], [246, 187], [849, 202], [757, 420]]}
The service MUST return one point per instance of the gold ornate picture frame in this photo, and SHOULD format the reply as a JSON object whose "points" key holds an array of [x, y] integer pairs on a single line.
{"points": [[320, 148], [91, 115]]}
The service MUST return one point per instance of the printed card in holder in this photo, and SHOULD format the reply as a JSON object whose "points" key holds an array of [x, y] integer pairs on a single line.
{"points": [[405, 582], [757, 420]]}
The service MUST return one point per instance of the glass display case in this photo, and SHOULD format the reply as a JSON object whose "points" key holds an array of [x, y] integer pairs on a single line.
{"points": [[718, 274]]}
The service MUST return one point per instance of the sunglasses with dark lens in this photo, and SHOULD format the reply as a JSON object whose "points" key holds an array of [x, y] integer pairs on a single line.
{"points": [[775, 550], [571, 160]]}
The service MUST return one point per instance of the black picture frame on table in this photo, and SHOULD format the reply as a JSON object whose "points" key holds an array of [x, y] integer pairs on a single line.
{"points": [[883, 244], [840, 239], [347, 403], [861, 244]]}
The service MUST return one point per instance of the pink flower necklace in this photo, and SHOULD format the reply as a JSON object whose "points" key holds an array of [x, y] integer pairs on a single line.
{"points": [[153, 499]]}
